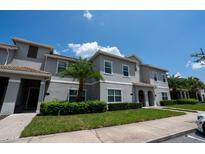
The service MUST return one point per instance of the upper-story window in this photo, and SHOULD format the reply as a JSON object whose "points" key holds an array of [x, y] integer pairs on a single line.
{"points": [[125, 69], [108, 67], [155, 76], [62, 65], [32, 52], [164, 78]]}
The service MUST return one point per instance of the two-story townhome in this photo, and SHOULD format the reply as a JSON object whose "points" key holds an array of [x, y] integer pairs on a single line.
{"points": [[29, 75]]}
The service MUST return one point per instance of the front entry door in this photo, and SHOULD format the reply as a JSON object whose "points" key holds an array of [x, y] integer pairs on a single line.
{"points": [[32, 99]]}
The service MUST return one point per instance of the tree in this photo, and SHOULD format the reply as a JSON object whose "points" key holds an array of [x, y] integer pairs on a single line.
{"points": [[200, 57], [81, 70]]}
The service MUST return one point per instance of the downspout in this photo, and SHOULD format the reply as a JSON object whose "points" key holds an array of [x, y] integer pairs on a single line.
{"points": [[7, 50]]}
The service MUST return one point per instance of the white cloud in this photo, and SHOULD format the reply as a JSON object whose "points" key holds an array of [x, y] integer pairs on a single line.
{"points": [[194, 65], [87, 15], [56, 52], [86, 50], [178, 75]]}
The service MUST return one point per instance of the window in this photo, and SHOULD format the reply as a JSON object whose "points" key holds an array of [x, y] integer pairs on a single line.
{"points": [[164, 96], [62, 65], [114, 95], [164, 78], [155, 76], [108, 67], [32, 52], [125, 69], [73, 94]]}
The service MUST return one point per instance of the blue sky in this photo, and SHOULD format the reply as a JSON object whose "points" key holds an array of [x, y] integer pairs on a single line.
{"points": [[161, 38]]}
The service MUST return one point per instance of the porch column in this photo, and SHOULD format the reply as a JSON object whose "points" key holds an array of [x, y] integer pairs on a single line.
{"points": [[146, 98], [185, 95], [188, 95], [181, 96], [41, 96], [137, 95], [11, 96]]}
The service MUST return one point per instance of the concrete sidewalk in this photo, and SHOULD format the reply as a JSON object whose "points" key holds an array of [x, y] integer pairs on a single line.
{"points": [[136, 132], [12, 126]]}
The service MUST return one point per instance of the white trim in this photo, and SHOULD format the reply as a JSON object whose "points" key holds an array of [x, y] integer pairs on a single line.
{"points": [[128, 70], [114, 82], [114, 94], [15, 81], [58, 64], [111, 67], [62, 81], [72, 82], [162, 87]]}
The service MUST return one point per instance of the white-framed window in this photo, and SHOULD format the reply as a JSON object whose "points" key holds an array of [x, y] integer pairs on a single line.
{"points": [[155, 76], [73, 93], [61, 66], [125, 70], [108, 67], [164, 96], [114, 95], [164, 77]]}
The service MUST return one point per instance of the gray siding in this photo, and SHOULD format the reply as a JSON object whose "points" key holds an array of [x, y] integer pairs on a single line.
{"points": [[3, 56], [126, 91], [21, 59], [117, 69]]}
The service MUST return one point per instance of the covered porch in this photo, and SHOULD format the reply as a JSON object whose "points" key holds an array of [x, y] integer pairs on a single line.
{"points": [[144, 93], [23, 89]]}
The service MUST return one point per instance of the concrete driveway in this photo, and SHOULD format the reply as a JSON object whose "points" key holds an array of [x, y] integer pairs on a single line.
{"points": [[136, 132], [12, 126]]}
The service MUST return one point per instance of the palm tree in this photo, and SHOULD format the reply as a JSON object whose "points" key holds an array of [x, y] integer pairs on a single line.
{"points": [[81, 70], [200, 57]]}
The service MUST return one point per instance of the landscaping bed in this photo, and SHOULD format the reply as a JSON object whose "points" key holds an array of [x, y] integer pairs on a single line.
{"points": [[42, 125]]}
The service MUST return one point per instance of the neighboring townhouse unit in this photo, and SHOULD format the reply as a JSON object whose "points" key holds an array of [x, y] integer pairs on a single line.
{"points": [[29, 75]]}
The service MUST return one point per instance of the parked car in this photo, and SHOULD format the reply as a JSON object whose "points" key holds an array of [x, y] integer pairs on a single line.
{"points": [[201, 122]]}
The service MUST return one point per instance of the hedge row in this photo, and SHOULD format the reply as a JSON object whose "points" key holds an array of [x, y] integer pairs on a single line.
{"points": [[67, 108], [123, 106], [178, 101]]}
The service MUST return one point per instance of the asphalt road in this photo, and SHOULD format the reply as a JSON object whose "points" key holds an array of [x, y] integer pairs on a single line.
{"points": [[195, 137]]}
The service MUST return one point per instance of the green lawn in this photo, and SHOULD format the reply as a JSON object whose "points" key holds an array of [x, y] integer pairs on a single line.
{"points": [[42, 125], [200, 107]]}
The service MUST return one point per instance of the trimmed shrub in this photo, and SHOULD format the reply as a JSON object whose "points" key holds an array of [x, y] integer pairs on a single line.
{"points": [[187, 101], [67, 108], [178, 101], [96, 106], [168, 102], [123, 106]]}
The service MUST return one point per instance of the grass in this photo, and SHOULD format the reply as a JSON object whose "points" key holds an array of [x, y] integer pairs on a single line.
{"points": [[199, 107], [42, 125]]}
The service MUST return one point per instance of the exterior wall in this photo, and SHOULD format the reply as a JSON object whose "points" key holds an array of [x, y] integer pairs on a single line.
{"points": [[21, 59], [51, 66], [144, 74], [126, 91], [117, 69], [3, 56], [158, 94], [59, 91]]}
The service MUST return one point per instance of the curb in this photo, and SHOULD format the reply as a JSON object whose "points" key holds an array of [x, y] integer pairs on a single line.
{"points": [[158, 140]]}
